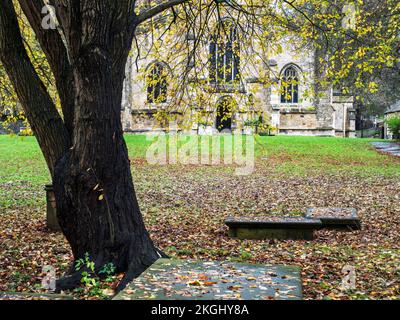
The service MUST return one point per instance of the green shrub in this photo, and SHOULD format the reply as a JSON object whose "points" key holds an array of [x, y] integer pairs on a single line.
{"points": [[394, 126], [255, 122], [251, 123], [91, 277]]}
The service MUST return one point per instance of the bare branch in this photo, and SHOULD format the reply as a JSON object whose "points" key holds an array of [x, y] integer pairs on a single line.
{"points": [[40, 110], [150, 13], [56, 53]]}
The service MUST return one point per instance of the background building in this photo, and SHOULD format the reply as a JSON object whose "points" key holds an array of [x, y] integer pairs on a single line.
{"points": [[226, 88]]}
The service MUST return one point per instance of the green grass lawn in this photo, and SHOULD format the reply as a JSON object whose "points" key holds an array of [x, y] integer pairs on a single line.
{"points": [[22, 162], [21, 159]]}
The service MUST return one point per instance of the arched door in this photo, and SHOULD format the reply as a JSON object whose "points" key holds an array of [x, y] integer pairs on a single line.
{"points": [[225, 109]]}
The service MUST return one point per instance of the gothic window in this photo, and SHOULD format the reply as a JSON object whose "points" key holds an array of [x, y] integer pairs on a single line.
{"points": [[224, 54], [156, 82], [290, 85]]}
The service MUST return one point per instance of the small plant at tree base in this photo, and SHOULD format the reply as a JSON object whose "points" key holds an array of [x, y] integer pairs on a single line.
{"points": [[89, 277], [108, 271], [394, 126], [89, 267]]}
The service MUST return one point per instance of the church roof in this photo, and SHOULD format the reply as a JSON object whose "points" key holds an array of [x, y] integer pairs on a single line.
{"points": [[394, 108]]}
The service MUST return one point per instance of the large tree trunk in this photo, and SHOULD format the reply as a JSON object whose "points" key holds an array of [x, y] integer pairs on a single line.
{"points": [[96, 202], [85, 152]]}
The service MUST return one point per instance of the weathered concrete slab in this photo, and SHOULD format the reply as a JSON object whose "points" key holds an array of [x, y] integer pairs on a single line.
{"points": [[391, 148], [272, 227], [336, 218], [33, 296], [190, 280], [381, 145]]}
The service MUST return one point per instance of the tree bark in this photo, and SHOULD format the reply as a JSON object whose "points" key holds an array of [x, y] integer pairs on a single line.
{"points": [[96, 202]]}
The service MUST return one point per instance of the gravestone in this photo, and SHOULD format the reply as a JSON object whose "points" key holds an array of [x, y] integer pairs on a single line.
{"points": [[272, 227], [336, 218], [192, 280], [51, 209]]}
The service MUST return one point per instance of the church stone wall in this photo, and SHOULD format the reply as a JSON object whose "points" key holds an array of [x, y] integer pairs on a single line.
{"points": [[316, 113]]}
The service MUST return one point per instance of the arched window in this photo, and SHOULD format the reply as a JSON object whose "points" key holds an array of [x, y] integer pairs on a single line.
{"points": [[156, 82], [224, 54], [290, 85]]}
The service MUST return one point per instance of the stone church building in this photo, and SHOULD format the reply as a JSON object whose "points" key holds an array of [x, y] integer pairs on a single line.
{"points": [[291, 103]]}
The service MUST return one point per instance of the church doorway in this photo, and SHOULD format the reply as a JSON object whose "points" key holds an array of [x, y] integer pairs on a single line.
{"points": [[225, 110]]}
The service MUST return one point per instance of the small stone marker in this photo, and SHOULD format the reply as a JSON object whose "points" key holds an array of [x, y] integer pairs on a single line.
{"points": [[295, 228], [336, 218], [190, 280], [51, 213]]}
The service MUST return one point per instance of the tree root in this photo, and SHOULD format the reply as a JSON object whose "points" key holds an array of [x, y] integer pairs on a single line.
{"points": [[69, 282], [136, 269]]}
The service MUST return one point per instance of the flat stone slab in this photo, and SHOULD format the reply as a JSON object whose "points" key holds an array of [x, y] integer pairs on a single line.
{"points": [[33, 296], [336, 218], [192, 280], [381, 145], [272, 227], [391, 148]]}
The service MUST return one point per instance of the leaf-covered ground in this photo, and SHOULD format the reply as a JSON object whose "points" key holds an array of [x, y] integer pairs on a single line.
{"points": [[184, 208]]}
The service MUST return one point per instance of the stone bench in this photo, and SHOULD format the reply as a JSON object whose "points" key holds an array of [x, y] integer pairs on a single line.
{"points": [[295, 228], [336, 218], [169, 279]]}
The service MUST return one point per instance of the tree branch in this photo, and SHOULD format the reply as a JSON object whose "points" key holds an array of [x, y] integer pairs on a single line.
{"points": [[38, 106], [150, 13], [56, 53]]}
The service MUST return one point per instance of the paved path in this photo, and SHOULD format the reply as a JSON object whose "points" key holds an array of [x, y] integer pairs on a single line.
{"points": [[392, 148]]}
